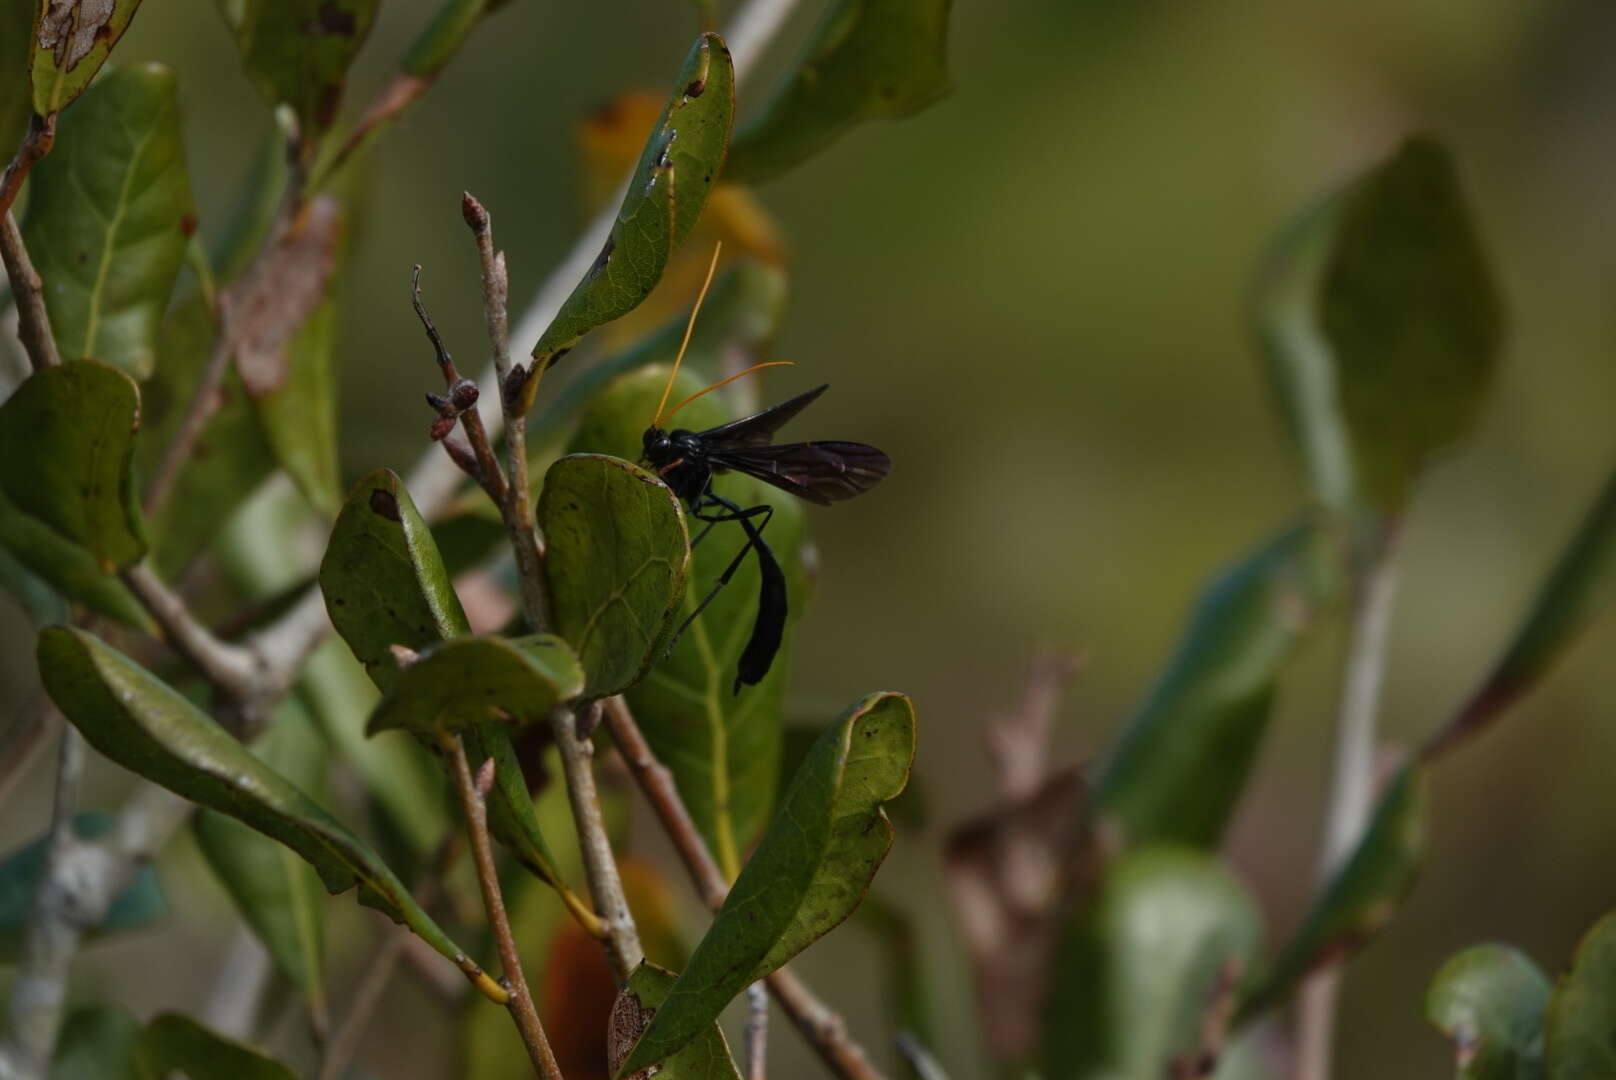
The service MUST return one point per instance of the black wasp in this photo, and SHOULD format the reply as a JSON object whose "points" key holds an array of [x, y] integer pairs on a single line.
{"points": [[821, 472]]}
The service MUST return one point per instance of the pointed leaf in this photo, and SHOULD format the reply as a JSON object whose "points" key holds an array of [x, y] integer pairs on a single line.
{"points": [[277, 893], [67, 437], [72, 39], [1580, 1040], [1361, 897], [1489, 1000], [177, 1044], [665, 196], [97, 1042], [110, 216], [1140, 964], [141, 902], [445, 34], [136, 720], [1183, 758], [706, 1057], [1382, 326], [868, 58], [297, 52], [617, 558], [808, 874], [469, 681], [66, 568]]}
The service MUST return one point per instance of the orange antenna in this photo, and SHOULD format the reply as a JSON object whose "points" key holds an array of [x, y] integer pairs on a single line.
{"points": [[656, 421], [726, 382]]}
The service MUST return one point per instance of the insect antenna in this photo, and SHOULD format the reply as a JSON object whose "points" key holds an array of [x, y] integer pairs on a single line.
{"points": [[656, 421], [726, 382]]}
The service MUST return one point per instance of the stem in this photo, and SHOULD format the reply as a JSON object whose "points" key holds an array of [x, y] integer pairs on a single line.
{"points": [[36, 144], [28, 291], [818, 1023], [521, 1004], [232, 669], [757, 1032], [399, 94], [1352, 789]]}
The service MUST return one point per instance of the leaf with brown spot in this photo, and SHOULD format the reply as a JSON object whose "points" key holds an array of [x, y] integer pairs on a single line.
{"points": [[72, 39], [706, 1057], [266, 309]]}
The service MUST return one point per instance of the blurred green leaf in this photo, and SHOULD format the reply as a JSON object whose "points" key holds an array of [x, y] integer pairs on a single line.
{"points": [[445, 34], [665, 195], [277, 893], [722, 747], [810, 871], [1581, 583], [109, 219], [66, 568], [1580, 1038], [72, 40], [1360, 898], [471, 680], [705, 1057], [300, 417], [868, 58], [140, 903], [258, 199], [297, 53], [139, 722], [177, 1044], [1142, 964], [67, 437], [42, 604], [1382, 327], [617, 559], [471, 534], [97, 1042], [1489, 1001], [16, 91], [1183, 758]]}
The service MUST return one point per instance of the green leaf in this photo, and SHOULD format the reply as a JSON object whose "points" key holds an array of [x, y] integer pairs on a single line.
{"points": [[1183, 758], [66, 568], [16, 92], [445, 34], [666, 193], [869, 58], [258, 199], [67, 437], [297, 53], [140, 904], [300, 417], [72, 39], [1361, 897], [277, 893], [617, 558], [1580, 1040], [177, 1044], [471, 680], [808, 874], [705, 1057], [109, 219], [139, 722], [1489, 1000], [1582, 582], [1141, 965], [97, 1042], [1382, 327]]}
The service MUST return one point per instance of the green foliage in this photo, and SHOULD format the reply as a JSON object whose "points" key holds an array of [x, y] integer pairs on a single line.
{"points": [[135, 719], [62, 566], [16, 91], [665, 195], [277, 893], [868, 58], [72, 39], [300, 417], [96, 1043], [1382, 327], [173, 1044], [617, 559], [810, 871], [1489, 1000], [706, 1057], [444, 35], [141, 902], [1141, 965], [465, 682], [1182, 760], [67, 438], [1580, 1038], [109, 219]]}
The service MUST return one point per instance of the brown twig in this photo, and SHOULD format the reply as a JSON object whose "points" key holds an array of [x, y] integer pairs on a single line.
{"points": [[388, 104], [36, 144], [233, 669], [33, 321], [822, 1026], [473, 795], [461, 405]]}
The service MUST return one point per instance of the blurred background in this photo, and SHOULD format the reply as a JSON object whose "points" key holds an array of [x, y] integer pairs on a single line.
{"points": [[1033, 297]]}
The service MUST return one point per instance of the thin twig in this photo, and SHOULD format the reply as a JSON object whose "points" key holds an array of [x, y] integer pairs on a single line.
{"points": [[757, 1032], [1352, 790], [921, 1060], [28, 291], [473, 794], [390, 101], [204, 402], [818, 1023], [36, 144], [461, 404], [233, 669]]}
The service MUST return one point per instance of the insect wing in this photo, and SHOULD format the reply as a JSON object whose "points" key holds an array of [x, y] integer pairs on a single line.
{"points": [[759, 428], [821, 472]]}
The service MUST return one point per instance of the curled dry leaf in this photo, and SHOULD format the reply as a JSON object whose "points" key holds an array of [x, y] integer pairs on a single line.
{"points": [[271, 305], [68, 28]]}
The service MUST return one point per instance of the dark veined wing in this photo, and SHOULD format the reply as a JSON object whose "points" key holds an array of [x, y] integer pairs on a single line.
{"points": [[821, 472], [759, 428]]}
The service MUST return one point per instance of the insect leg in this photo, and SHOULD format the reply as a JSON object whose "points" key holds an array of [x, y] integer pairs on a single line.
{"points": [[754, 539]]}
